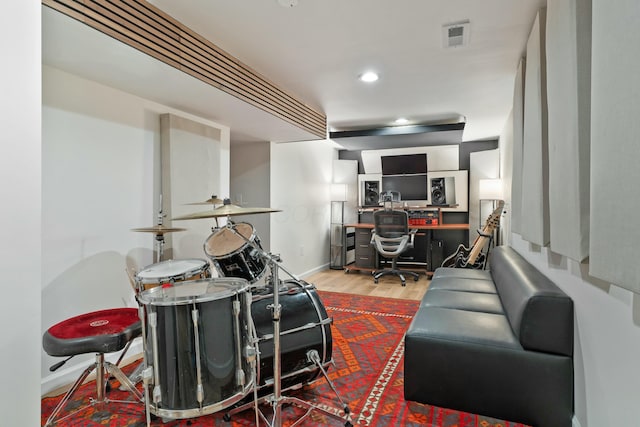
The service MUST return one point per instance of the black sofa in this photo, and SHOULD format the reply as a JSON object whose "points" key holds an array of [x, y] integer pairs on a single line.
{"points": [[497, 343]]}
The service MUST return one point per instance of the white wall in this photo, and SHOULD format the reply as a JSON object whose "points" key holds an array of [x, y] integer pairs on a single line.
{"points": [[607, 339], [20, 193], [100, 174], [506, 147], [301, 174], [250, 184], [482, 165]]}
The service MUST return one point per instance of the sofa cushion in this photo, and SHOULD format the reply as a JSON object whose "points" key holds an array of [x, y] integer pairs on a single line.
{"points": [[540, 313], [466, 326], [452, 283], [471, 301], [462, 273]]}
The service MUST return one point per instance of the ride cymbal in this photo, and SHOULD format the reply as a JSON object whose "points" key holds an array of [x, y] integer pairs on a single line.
{"points": [[226, 210], [158, 229]]}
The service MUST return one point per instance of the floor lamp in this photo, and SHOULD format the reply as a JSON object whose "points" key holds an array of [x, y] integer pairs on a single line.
{"points": [[490, 190], [337, 253]]}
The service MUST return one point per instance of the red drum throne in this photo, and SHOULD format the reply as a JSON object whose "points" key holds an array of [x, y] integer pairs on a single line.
{"points": [[99, 332]]}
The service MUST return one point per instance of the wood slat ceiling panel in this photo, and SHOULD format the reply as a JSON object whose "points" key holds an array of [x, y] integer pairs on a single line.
{"points": [[148, 29]]}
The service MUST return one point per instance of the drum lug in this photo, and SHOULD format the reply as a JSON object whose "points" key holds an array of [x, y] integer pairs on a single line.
{"points": [[236, 307], [240, 378], [200, 394], [153, 324], [147, 375], [195, 316], [250, 353]]}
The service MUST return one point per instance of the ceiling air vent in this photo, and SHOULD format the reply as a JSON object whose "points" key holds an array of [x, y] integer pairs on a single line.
{"points": [[455, 35]]}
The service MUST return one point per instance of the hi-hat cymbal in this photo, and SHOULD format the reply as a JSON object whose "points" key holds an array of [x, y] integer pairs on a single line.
{"points": [[226, 210], [212, 201], [158, 229]]}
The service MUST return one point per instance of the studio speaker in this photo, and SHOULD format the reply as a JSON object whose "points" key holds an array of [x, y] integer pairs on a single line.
{"points": [[371, 193], [443, 191]]}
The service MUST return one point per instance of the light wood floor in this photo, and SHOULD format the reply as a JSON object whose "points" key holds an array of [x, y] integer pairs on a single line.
{"points": [[361, 283]]}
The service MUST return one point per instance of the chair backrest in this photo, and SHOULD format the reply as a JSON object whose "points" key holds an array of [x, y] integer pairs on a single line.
{"points": [[391, 223]]}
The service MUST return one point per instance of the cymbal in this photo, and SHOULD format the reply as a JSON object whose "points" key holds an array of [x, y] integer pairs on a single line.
{"points": [[158, 229], [226, 210], [212, 201]]}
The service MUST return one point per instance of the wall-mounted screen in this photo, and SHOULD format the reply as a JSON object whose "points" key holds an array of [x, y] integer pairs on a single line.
{"points": [[405, 164], [410, 187]]}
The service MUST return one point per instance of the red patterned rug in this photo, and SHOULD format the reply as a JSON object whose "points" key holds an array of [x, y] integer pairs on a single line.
{"points": [[368, 348]]}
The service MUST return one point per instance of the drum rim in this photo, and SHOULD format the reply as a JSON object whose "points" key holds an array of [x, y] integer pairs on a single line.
{"points": [[204, 263], [148, 297]]}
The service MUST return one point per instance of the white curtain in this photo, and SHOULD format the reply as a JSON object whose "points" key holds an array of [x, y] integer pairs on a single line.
{"points": [[518, 125], [535, 197], [615, 142], [569, 105]]}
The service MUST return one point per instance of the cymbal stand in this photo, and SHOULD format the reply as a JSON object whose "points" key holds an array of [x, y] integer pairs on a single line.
{"points": [[160, 236], [276, 398]]}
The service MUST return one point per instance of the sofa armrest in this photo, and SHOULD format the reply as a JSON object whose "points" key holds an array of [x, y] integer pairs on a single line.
{"points": [[539, 312]]}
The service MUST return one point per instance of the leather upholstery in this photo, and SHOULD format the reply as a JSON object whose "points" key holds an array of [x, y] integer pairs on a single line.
{"points": [[485, 286], [462, 273], [487, 303], [539, 312], [496, 343]]}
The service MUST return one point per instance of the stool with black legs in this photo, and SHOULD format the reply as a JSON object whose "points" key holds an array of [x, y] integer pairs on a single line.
{"points": [[99, 332]]}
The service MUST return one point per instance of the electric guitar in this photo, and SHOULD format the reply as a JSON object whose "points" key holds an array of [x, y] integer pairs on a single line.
{"points": [[473, 257]]}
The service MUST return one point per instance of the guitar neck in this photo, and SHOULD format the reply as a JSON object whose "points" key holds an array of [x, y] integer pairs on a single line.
{"points": [[477, 248]]}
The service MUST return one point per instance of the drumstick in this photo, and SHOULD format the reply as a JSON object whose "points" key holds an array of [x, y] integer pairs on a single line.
{"points": [[131, 275]]}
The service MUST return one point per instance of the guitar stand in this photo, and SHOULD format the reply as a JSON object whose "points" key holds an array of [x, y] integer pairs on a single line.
{"points": [[486, 255], [276, 399]]}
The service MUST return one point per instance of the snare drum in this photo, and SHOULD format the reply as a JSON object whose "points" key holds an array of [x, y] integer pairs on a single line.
{"points": [[234, 256], [198, 346], [172, 271], [304, 327]]}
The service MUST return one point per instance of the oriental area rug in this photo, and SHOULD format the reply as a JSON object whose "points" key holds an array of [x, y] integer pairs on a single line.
{"points": [[368, 349]]}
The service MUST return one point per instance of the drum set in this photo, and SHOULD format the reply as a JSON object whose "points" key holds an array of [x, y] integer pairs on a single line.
{"points": [[232, 342]]}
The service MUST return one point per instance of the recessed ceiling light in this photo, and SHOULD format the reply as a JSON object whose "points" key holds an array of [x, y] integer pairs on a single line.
{"points": [[369, 77], [401, 121]]}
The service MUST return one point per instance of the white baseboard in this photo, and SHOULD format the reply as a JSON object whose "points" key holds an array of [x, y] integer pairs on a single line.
{"points": [[314, 270], [66, 377]]}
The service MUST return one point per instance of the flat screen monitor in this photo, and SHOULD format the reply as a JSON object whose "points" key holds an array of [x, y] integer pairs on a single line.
{"points": [[410, 187], [405, 164]]}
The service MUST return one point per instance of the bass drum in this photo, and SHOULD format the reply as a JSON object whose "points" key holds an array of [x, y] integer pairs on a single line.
{"points": [[196, 341], [304, 326]]}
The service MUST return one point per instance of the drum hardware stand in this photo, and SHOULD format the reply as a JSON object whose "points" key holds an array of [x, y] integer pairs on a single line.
{"points": [[276, 398], [160, 236]]}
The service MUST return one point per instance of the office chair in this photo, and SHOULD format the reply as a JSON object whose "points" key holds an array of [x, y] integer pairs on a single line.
{"points": [[391, 237], [99, 332]]}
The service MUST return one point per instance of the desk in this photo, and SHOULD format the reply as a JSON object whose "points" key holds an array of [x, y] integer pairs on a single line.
{"points": [[366, 255]]}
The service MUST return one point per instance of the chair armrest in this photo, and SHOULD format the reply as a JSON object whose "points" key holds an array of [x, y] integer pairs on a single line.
{"points": [[412, 234]]}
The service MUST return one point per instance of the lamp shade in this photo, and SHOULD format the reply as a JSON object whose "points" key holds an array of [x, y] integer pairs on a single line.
{"points": [[338, 192], [490, 189]]}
